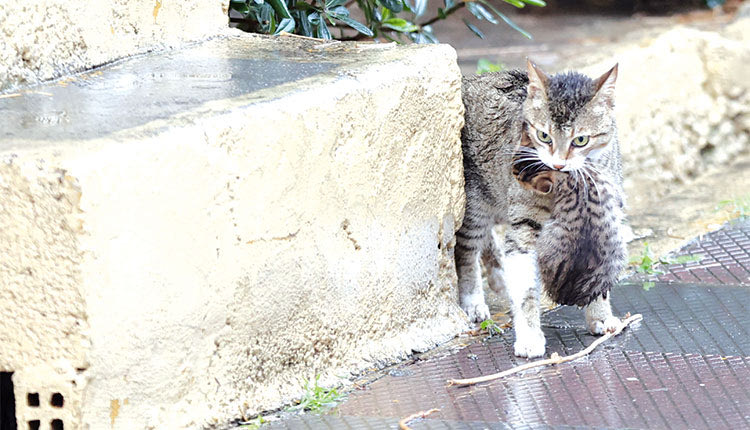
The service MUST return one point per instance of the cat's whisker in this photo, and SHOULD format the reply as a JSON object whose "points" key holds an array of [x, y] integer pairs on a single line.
{"points": [[520, 149], [521, 160], [591, 177], [530, 165], [585, 183], [593, 166]]}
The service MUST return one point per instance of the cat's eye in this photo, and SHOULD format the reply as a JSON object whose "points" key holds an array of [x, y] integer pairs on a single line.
{"points": [[580, 141], [543, 137]]}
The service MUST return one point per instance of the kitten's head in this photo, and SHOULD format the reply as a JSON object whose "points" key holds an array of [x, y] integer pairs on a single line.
{"points": [[569, 117]]}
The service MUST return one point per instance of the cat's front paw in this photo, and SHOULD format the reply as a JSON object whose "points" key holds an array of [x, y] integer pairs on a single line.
{"points": [[529, 343], [601, 326], [476, 309]]}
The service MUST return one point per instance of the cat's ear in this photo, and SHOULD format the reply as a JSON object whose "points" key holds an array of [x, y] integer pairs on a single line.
{"points": [[538, 80], [605, 87]]}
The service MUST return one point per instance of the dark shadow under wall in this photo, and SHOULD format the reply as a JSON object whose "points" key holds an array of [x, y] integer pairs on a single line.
{"points": [[7, 402]]}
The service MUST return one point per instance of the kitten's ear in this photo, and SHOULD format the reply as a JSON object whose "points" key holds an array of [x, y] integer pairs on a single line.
{"points": [[605, 87], [538, 80]]}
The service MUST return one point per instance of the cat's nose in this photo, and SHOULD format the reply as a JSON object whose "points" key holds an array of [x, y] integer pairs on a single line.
{"points": [[558, 166]]}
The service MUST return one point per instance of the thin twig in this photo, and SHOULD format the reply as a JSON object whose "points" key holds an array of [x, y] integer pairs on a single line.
{"points": [[403, 424], [555, 359]]}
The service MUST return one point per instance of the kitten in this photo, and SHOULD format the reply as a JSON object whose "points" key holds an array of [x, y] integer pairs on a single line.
{"points": [[516, 124], [580, 250]]}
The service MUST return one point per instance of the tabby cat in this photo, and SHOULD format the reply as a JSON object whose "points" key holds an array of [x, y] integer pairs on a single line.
{"points": [[517, 126]]}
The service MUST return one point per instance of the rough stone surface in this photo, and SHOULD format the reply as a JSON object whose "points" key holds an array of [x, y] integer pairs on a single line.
{"points": [[46, 39], [184, 270]]}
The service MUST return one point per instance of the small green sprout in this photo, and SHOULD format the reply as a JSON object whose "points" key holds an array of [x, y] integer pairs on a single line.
{"points": [[682, 259], [644, 263], [317, 399], [491, 327]]}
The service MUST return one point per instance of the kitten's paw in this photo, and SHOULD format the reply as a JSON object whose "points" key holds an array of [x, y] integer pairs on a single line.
{"points": [[529, 343], [607, 325], [476, 309]]}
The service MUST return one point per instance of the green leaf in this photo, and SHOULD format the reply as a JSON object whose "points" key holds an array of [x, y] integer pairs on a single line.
{"points": [[242, 8], [480, 12], [330, 4], [339, 10], [486, 66], [516, 3], [441, 13], [395, 6], [304, 28], [323, 32], [424, 36], [301, 5], [507, 20], [352, 23], [385, 14], [419, 8], [265, 17], [280, 7], [286, 24], [539, 3], [400, 25], [648, 285], [474, 29]]}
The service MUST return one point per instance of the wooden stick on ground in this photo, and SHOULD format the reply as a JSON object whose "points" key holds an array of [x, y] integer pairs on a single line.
{"points": [[555, 359], [403, 424]]}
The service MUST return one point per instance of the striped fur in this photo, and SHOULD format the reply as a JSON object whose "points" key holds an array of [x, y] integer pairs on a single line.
{"points": [[507, 181], [580, 250]]}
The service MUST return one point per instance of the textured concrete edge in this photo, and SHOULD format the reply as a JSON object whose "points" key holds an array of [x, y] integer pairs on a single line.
{"points": [[125, 216]]}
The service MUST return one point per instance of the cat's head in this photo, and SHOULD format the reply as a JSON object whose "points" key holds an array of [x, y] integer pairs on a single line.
{"points": [[569, 117]]}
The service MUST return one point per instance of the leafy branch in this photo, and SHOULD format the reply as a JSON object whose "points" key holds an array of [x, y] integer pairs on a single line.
{"points": [[393, 20]]}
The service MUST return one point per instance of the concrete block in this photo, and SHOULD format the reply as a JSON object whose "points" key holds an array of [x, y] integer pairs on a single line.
{"points": [[186, 236]]}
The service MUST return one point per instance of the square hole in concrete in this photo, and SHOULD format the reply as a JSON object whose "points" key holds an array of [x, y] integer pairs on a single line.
{"points": [[57, 425], [34, 424], [32, 399], [57, 400]]}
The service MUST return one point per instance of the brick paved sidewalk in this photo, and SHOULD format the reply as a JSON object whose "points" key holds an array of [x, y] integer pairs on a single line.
{"points": [[686, 365]]}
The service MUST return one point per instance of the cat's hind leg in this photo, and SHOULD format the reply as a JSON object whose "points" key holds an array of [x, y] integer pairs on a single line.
{"points": [[492, 259], [471, 239], [599, 318]]}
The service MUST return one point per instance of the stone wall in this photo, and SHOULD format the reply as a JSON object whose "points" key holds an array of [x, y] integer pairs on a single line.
{"points": [[190, 265]]}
